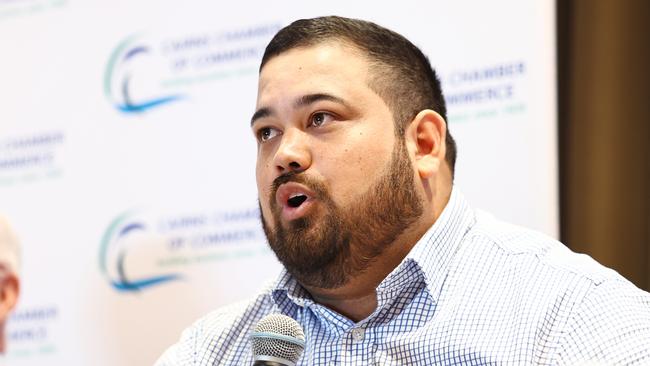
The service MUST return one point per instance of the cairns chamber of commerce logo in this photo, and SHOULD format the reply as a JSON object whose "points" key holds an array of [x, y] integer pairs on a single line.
{"points": [[124, 232], [33, 332], [119, 77], [145, 72], [32, 157], [141, 250], [10, 9], [487, 91]]}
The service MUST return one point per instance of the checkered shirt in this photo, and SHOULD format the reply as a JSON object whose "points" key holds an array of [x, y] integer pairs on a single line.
{"points": [[473, 291]]}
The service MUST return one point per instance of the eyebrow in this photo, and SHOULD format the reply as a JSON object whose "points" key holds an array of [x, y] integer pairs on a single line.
{"points": [[300, 102]]}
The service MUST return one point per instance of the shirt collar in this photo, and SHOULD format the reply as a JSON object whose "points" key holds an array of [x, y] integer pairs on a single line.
{"points": [[287, 293], [437, 248], [431, 255]]}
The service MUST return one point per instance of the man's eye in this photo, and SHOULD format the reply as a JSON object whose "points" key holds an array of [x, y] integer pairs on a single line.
{"points": [[266, 133], [320, 118]]}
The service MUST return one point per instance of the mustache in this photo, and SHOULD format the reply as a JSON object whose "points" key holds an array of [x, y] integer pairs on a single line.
{"points": [[299, 177], [286, 178]]}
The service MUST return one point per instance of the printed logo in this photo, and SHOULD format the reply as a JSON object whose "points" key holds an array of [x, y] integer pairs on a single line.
{"points": [[485, 92], [32, 332], [147, 72], [124, 232], [31, 157], [20, 8], [140, 250], [118, 72]]}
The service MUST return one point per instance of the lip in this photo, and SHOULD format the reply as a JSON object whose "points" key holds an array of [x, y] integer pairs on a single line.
{"points": [[285, 191]]}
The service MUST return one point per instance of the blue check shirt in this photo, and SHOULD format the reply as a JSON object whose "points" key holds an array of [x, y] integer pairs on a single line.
{"points": [[473, 291]]}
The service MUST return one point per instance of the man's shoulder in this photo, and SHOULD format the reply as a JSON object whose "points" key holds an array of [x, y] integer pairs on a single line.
{"points": [[221, 336], [537, 250], [527, 279], [234, 317]]}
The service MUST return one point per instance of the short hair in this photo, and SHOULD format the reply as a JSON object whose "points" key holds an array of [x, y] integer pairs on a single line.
{"points": [[400, 73], [9, 247]]}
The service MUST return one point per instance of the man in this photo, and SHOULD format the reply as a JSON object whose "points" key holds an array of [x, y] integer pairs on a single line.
{"points": [[9, 283], [385, 262]]}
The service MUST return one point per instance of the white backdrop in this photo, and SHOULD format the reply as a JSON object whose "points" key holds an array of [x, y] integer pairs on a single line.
{"points": [[127, 164]]}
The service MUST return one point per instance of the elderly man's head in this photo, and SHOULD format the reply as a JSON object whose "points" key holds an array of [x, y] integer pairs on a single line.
{"points": [[9, 268]]}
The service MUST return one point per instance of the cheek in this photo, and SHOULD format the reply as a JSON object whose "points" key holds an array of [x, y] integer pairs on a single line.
{"points": [[355, 168], [264, 192], [263, 185]]}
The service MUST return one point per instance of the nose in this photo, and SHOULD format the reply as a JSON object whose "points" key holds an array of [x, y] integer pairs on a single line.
{"points": [[293, 154]]}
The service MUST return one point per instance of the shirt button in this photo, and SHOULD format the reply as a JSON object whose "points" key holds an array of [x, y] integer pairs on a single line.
{"points": [[358, 334]]}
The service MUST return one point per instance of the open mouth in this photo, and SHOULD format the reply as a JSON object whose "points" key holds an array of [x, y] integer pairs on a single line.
{"points": [[296, 200]]}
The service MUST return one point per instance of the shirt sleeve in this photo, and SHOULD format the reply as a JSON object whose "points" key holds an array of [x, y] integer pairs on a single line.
{"points": [[181, 352], [610, 326]]}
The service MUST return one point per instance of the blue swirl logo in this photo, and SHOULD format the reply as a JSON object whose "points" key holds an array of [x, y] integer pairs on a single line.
{"points": [[118, 78], [115, 246]]}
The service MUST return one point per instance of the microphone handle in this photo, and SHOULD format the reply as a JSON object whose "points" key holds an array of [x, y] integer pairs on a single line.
{"points": [[268, 363]]}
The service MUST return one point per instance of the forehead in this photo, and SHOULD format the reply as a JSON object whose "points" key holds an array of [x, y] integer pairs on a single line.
{"points": [[331, 67]]}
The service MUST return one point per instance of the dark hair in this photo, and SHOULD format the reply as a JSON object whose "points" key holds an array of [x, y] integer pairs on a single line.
{"points": [[402, 74]]}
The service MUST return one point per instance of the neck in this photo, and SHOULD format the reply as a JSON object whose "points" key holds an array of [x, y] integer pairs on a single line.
{"points": [[357, 298]]}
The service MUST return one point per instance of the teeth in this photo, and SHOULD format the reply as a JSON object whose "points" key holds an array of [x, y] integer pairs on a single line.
{"points": [[294, 195]]}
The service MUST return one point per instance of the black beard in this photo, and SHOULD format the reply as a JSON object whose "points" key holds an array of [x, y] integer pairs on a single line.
{"points": [[327, 250]]}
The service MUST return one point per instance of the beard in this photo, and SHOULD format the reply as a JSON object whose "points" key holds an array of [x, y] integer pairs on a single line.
{"points": [[328, 247]]}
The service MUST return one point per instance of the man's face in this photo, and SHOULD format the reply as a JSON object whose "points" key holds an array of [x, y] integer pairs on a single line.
{"points": [[335, 183]]}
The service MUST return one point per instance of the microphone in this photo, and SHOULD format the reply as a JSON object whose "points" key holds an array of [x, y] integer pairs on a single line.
{"points": [[278, 340]]}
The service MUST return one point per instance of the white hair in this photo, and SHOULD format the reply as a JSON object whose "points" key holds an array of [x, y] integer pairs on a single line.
{"points": [[9, 247]]}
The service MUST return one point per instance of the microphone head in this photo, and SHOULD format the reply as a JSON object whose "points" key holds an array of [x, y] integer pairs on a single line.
{"points": [[278, 338]]}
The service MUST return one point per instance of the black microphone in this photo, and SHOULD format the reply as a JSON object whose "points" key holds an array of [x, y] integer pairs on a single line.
{"points": [[277, 340]]}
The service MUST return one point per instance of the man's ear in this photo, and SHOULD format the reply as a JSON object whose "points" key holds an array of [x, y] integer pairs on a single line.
{"points": [[9, 290], [426, 136]]}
